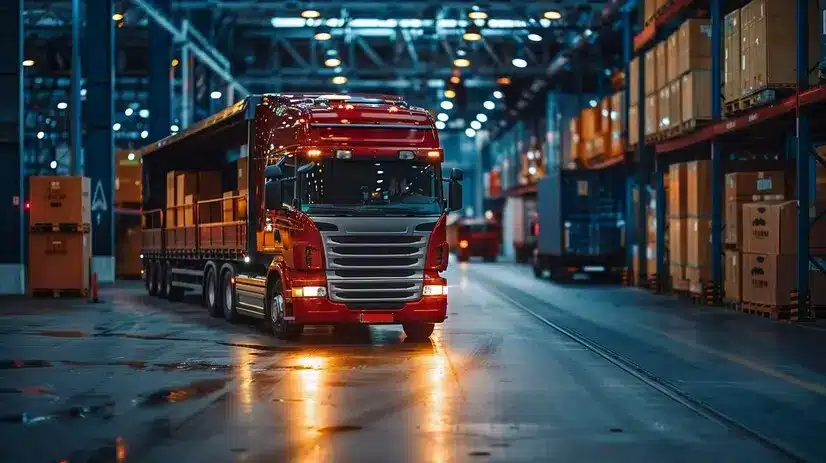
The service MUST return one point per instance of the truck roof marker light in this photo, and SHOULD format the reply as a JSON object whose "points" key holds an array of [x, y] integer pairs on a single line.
{"points": [[313, 153], [407, 155], [344, 154]]}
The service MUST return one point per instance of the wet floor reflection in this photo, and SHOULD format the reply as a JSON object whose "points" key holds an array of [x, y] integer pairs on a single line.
{"points": [[310, 388]]}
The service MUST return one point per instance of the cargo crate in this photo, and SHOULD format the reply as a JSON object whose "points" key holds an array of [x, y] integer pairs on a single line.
{"points": [[59, 263], [56, 199]]}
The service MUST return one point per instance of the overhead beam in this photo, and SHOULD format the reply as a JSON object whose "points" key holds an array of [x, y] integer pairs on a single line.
{"points": [[294, 53], [374, 57]]}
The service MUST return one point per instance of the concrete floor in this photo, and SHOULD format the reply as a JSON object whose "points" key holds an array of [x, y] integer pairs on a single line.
{"points": [[507, 378]]}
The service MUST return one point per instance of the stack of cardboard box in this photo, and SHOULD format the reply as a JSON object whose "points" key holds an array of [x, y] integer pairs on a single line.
{"points": [[589, 125], [616, 114], [698, 190], [651, 238], [677, 225], [633, 101], [742, 188]]}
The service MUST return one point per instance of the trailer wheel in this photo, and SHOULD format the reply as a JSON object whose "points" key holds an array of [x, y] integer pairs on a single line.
{"points": [[275, 310], [157, 278], [418, 331], [147, 276], [228, 296], [164, 279], [211, 294], [173, 293]]}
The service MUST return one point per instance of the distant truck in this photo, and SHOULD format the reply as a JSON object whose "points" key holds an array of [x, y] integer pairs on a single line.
{"points": [[475, 237], [581, 223], [518, 216], [303, 209]]}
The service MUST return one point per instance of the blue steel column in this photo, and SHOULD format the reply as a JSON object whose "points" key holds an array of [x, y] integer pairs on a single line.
{"points": [[12, 254], [627, 54], [804, 146], [717, 172], [160, 85], [100, 83], [76, 109], [643, 159], [662, 270]]}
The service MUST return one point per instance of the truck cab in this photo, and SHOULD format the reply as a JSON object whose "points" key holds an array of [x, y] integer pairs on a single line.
{"points": [[346, 223], [475, 237]]}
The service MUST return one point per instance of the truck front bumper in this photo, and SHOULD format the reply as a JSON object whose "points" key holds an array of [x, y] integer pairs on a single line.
{"points": [[322, 311]]}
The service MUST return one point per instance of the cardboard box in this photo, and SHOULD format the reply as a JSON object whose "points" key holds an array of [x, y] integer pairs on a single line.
{"points": [[634, 82], [243, 174], [744, 185], [171, 184], [650, 7], [664, 109], [677, 240], [694, 43], [733, 231], [772, 47], [650, 72], [733, 275], [186, 184], [746, 26], [605, 115], [731, 57], [677, 271], [633, 126], [661, 63], [58, 199], [675, 103], [650, 225], [697, 276], [59, 261], [228, 207], [672, 55], [209, 185], [589, 123], [651, 259], [698, 242], [695, 87], [698, 190], [617, 113], [677, 190], [768, 279], [770, 227], [171, 218], [652, 116]]}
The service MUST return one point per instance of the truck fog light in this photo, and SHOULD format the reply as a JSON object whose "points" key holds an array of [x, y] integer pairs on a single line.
{"points": [[310, 291], [463, 244], [435, 290]]}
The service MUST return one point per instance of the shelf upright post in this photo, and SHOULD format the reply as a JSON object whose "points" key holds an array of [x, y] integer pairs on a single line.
{"points": [[644, 162], [804, 148], [717, 168], [661, 270], [627, 54]]}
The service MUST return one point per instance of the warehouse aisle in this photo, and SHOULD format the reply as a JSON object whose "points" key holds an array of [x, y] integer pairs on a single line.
{"points": [[507, 378]]}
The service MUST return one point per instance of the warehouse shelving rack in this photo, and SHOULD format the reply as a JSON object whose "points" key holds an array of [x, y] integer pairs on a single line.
{"points": [[801, 117]]}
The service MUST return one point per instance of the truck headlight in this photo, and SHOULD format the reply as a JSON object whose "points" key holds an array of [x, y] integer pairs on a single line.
{"points": [[310, 291], [434, 290]]}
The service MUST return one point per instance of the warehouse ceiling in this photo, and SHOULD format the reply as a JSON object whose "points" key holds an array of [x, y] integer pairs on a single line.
{"points": [[418, 49]]}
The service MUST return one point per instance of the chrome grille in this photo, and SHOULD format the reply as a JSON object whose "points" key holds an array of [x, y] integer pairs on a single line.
{"points": [[375, 260]]}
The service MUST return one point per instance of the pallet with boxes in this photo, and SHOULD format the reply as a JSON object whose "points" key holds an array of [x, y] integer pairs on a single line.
{"points": [[60, 240], [759, 58], [760, 236], [597, 132]]}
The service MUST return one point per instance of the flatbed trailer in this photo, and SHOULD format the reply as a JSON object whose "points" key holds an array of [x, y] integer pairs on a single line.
{"points": [[303, 209], [581, 223]]}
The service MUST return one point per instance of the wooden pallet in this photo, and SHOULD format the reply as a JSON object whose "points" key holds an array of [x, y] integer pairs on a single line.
{"points": [[759, 98], [778, 312], [59, 293]]}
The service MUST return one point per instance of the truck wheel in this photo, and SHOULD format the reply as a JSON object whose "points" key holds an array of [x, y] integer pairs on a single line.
{"points": [[276, 310], [164, 279], [157, 278], [147, 277], [490, 259], [418, 331], [211, 294], [228, 297], [173, 293]]}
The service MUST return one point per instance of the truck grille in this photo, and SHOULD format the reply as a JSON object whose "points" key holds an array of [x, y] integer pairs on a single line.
{"points": [[367, 269]]}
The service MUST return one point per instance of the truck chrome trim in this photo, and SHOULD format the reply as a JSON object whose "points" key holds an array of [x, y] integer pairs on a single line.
{"points": [[364, 254]]}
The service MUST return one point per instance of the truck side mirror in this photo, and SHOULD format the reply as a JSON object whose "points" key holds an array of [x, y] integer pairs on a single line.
{"points": [[457, 175], [454, 201], [272, 195], [273, 172]]}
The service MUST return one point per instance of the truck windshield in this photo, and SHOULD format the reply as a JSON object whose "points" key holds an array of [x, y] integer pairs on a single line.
{"points": [[370, 187]]}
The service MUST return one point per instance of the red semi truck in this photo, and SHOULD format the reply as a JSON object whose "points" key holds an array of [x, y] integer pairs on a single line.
{"points": [[301, 210]]}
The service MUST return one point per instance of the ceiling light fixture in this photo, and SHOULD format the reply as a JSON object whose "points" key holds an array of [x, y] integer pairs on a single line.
{"points": [[323, 34], [461, 62], [503, 81], [482, 117], [332, 62], [443, 117], [440, 125], [28, 63], [117, 17], [475, 125], [497, 94], [472, 33], [339, 80], [215, 94], [450, 93], [489, 105], [455, 79], [446, 105], [553, 14], [519, 62], [534, 37], [477, 15], [310, 14], [470, 132]]}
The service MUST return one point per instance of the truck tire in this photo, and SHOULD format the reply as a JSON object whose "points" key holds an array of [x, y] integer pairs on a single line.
{"points": [[174, 293], [275, 310], [147, 277], [157, 278], [164, 279], [418, 331], [211, 294], [228, 296]]}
